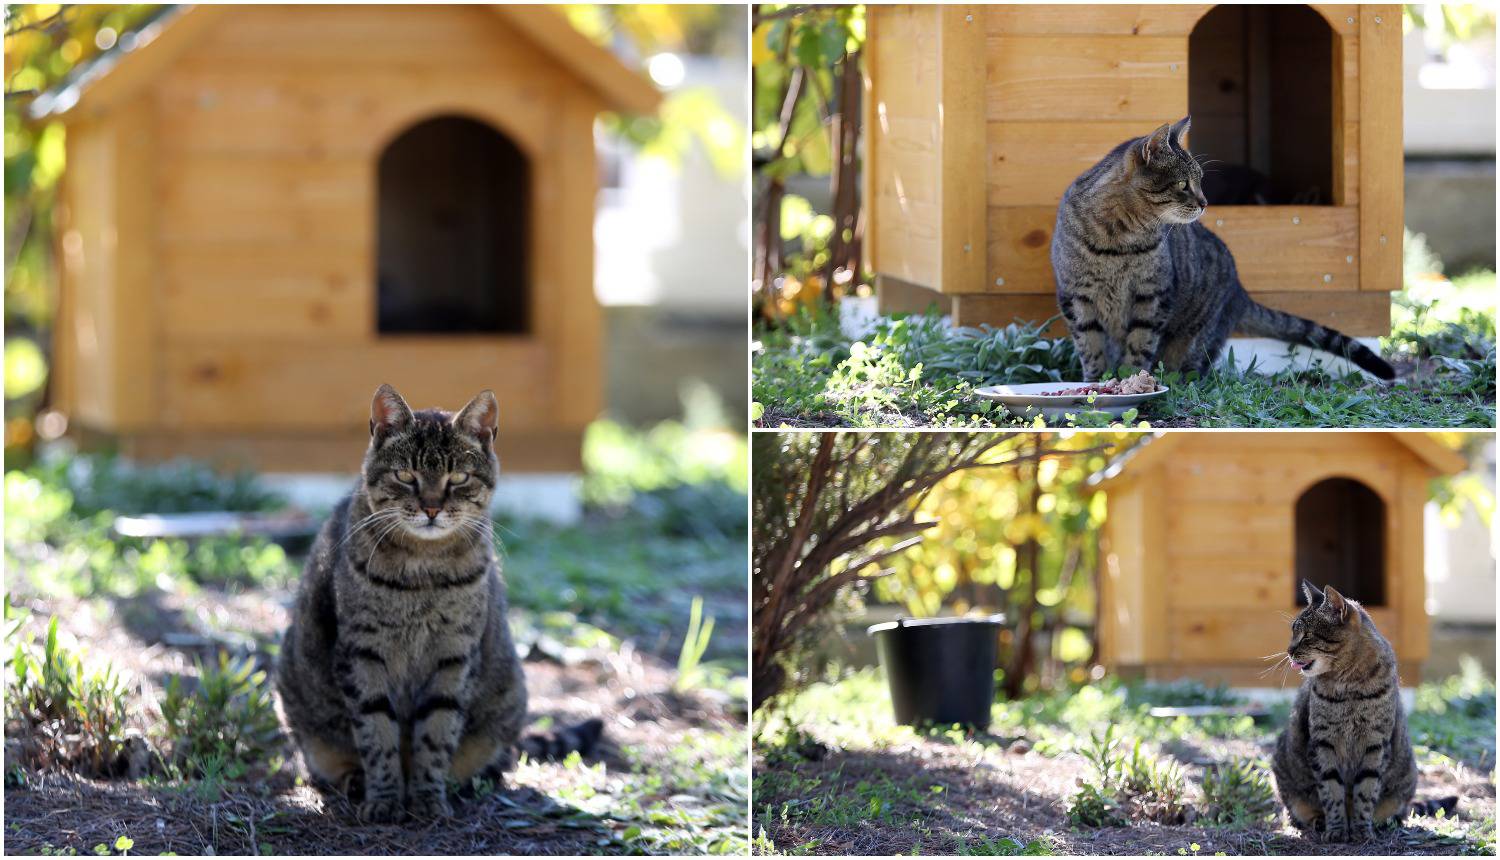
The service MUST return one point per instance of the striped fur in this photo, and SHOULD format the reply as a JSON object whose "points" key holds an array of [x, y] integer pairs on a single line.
{"points": [[398, 672], [1142, 282], [1344, 763]]}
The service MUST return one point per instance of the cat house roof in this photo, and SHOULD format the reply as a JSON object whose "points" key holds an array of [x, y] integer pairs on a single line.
{"points": [[1155, 448], [142, 55]]}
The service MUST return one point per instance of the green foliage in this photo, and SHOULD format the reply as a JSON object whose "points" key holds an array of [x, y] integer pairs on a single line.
{"points": [[1455, 717], [695, 643], [1185, 692], [1126, 788], [1238, 793], [59, 535], [805, 373], [103, 482], [818, 41], [983, 846], [223, 725], [67, 712], [688, 477]]}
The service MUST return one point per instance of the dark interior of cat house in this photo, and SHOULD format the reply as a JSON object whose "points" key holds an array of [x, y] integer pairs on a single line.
{"points": [[1261, 94], [1341, 540], [453, 233]]}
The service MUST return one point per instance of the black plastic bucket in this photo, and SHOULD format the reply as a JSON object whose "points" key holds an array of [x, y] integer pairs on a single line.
{"points": [[941, 670]]}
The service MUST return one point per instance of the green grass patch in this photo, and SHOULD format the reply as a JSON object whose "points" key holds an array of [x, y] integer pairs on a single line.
{"points": [[913, 371]]}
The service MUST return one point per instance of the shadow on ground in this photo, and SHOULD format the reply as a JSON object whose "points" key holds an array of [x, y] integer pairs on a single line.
{"points": [[63, 811], [932, 796]]}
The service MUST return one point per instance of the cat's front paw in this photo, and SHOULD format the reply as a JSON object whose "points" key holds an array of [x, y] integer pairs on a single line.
{"points": [[380, 810], [1361, 833], [1334, 833], [431, 805]]}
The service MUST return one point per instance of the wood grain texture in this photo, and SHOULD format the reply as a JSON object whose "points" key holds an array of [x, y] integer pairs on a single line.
{"points": [[1086, 78], [904, 137], [1031, 163], [305, 291], [961, 108], [1381, 179], [1126, 19], [267, 386], [551, 450], [1405, 580], [1276, 248], [135, 374], [1230, 502]]}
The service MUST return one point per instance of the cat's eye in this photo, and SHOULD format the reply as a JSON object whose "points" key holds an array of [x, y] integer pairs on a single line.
{"points": [[458, 478], [405, 477], [1182, 185]]}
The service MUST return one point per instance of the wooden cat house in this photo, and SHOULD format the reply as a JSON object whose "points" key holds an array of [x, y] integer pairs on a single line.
{"points": [[270, 210], [1208, 536], [978, 118]]}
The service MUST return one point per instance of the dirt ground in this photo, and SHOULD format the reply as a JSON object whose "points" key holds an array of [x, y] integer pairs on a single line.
{"points": [[641, 792], [937, 797]]}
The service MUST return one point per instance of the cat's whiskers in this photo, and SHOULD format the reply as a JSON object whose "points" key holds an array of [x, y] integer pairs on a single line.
{"points": [[392, 527], [373, 519]]}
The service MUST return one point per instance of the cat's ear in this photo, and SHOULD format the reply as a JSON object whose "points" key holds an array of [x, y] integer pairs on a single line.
{"points": [[1336, 602], [1179, 129], [1155, 144], [1313, 595], [480, 418], [388, 413]]}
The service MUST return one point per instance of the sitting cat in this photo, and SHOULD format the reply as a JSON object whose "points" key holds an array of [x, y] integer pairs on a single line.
{"points": [[1344, 762], [398, 671], [1140, 279]]}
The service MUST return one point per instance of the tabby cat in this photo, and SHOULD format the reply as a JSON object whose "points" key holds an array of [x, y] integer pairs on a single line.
{"points": [[1139, 279], [1344, 762], [398, 673]]}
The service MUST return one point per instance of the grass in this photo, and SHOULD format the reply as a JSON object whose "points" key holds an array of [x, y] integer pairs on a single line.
{"points": [[914, 371], [1085, 770], [142, 663]]}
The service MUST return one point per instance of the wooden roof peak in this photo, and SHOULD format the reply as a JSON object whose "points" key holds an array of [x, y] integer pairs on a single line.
{"points": [[141, 55], [1155, 447]]}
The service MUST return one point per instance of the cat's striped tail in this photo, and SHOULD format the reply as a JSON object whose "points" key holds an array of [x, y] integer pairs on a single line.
{"points": [[1266, 322], [1448, 805], [580, 738]]}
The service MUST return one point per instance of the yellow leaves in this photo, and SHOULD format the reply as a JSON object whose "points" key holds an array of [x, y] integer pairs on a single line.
{"points": [[794, 294], [1025, 527], [760, 45], [51, 156]]}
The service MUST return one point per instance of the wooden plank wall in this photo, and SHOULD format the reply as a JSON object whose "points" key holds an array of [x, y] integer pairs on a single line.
{"points": [[903, 168], [1065, 84], [1046, 126], [107, 253], [1230, 539], [269, 128], [1380, 173]]}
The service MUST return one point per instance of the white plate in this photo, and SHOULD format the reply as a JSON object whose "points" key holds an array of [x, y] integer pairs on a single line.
{"points": [[1033, 397]]}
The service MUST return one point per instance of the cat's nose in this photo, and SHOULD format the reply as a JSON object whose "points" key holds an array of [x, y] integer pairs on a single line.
{"points": [[1202, 202], [432, 512]]}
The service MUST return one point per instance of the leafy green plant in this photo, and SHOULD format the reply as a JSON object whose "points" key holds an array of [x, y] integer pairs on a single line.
{"points": [[1238, 793], [104, 482], [700, 632], [1185, 692], [1092, 806], [66, 712], [1126, 788], [1156, 787], [225, 724]]}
